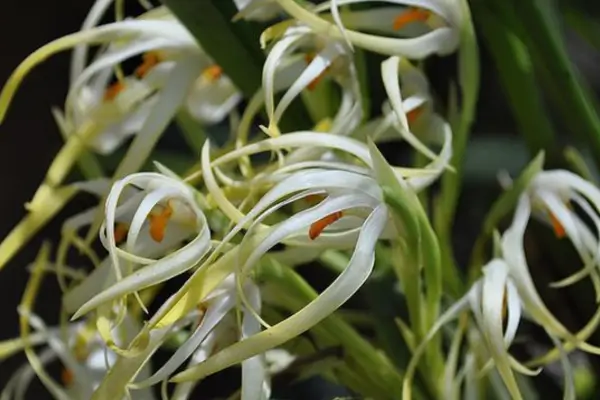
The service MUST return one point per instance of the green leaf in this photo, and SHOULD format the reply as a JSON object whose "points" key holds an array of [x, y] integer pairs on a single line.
{"points": [[572, 98], [362, 68], [516, 73]]}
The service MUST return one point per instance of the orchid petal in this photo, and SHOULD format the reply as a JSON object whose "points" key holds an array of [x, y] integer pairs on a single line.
{"points": [[335, 295]]}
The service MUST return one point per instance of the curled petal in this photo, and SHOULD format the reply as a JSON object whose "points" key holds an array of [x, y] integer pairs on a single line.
{"points": [[357, 271]]}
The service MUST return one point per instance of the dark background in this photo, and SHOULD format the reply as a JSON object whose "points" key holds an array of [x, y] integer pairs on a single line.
{"points": [[29, 138]]}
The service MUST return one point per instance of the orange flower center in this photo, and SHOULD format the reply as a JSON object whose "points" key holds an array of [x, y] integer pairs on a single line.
{"points": [[66, 377], [158, 223], [212, 73], [313, 84], [113, 91], [318, 227], [414, 114], [149, 61], [412, 14], [121, 230]]}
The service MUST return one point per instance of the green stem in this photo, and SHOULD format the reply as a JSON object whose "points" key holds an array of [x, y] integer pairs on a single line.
{"points": [[447, 201]]}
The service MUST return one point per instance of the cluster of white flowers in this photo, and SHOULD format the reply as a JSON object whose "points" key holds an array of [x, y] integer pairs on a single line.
{"points": [[324, 189]]}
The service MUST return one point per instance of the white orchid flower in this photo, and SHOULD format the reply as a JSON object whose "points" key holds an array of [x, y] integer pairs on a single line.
{"points": [[312, 57], [497, 305], [498, 301], [213, 326], [129, 366], [354, 158], [175, 72], [168, 212], [418, 29], [351, 213], [514, 254], [129, 101], [406, 111], [350, 190], [216, 318], [83, 355], [553, 193]]}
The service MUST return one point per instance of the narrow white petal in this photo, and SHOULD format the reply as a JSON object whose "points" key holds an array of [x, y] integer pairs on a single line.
{"points": [[513, 308], [214, 314], [303, 220], [212, 104], [335, 12], [82, 378], [104, 276], [108, 61], [569, 382], [316, 67], [80, 52], [144, 209], [565, 217], [164, 269], [183, 391], [391, 81], [441, 8], [300, 139], [349, 281], [20, 381], [453, 312], [255, 385], [493, 290], [283, 47], [513, 252], [441, 163]]}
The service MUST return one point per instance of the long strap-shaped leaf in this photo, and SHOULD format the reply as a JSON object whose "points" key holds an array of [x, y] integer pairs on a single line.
{"points": [[516, 72], [547, 45]]}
